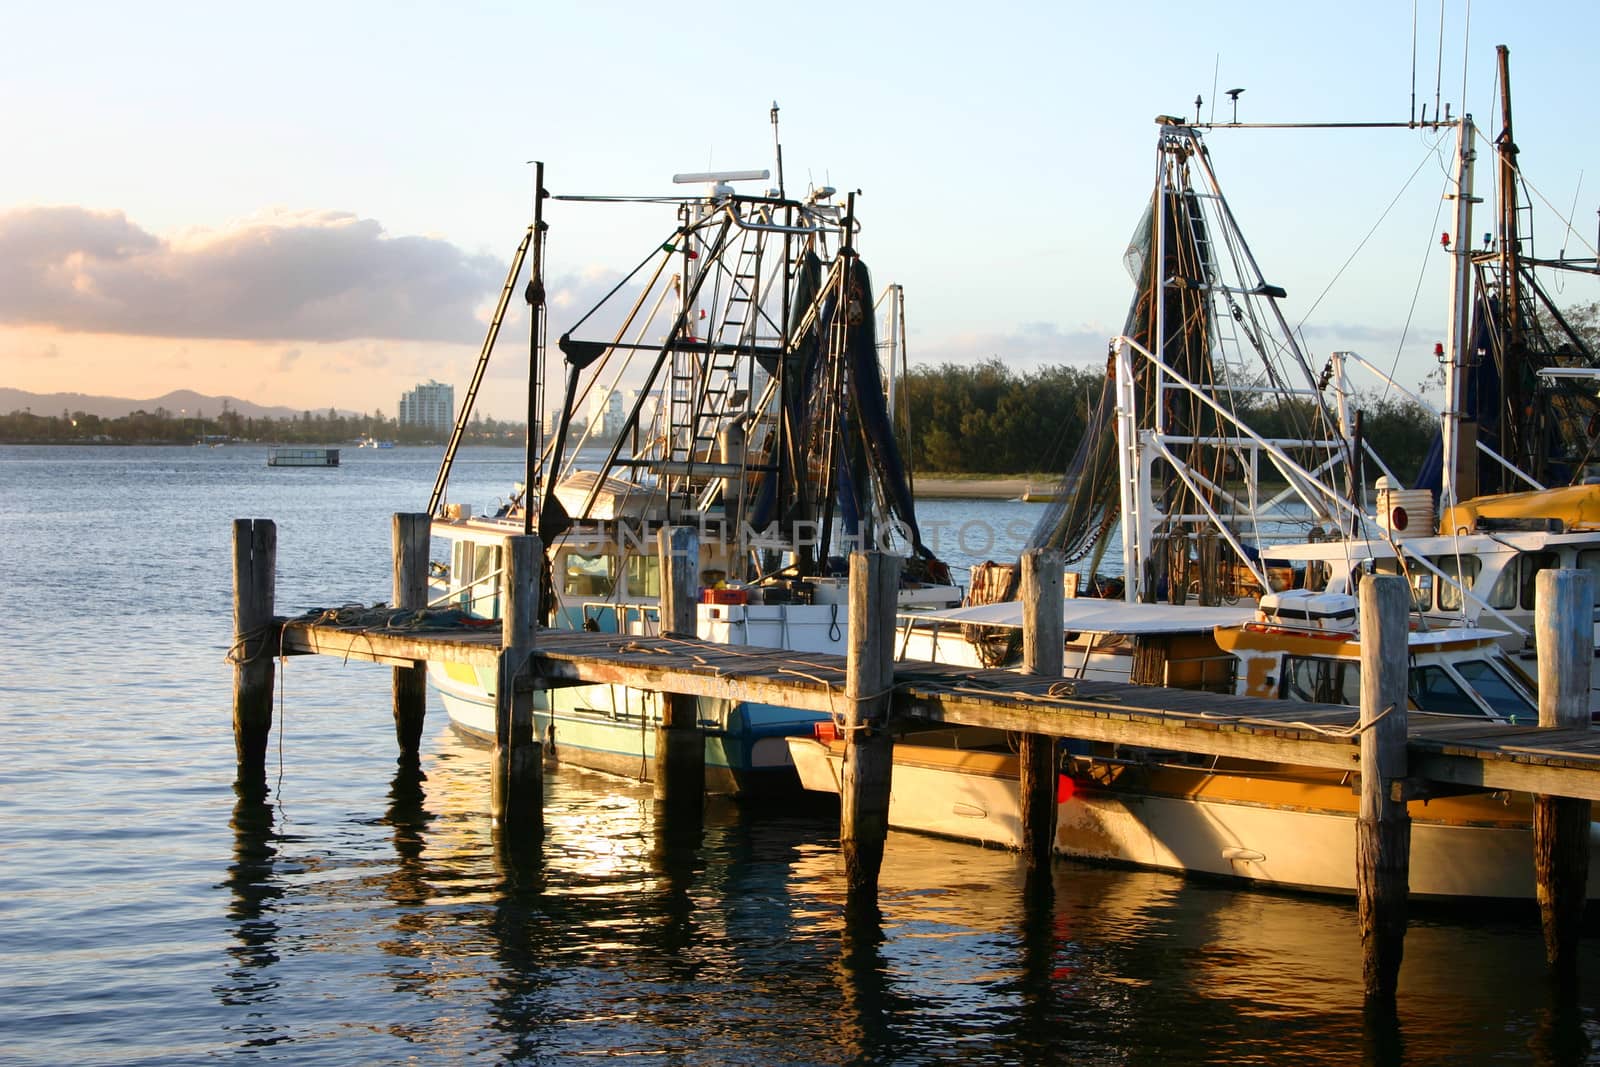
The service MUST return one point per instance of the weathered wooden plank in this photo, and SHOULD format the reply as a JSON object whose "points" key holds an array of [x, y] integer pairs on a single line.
{"points": [[375, 646], [1578, 781], [1147, 730], [1463, 753]]}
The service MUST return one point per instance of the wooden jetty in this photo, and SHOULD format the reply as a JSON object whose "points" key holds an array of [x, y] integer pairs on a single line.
{"points": [[868, 692]]}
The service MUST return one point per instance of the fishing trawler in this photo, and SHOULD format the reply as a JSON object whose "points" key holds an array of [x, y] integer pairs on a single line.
{"points": [[761, 421], [1176, 458], [1512, 485], [1289, 827]]}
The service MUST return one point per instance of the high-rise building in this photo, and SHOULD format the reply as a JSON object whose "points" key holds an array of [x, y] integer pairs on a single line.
{"points": [[606, 415], [432, 405]]}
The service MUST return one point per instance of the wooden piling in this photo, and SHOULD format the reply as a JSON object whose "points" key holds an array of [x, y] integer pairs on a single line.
{"points": [[869, 749], [410, 544], [1383, 827], [680, 764], [1564, 639], [1209, 565], [517, 790], [1043, 640], [255, 557]]}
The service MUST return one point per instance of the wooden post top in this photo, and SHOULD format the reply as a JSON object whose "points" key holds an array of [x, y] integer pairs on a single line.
{"points": [[679, 550], [1043, 612], [1563, 635], [520, 616]]}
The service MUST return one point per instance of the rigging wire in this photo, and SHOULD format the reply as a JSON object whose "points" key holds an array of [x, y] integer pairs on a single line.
{"points": [[1571, 212], [1416, 295], [1533, 189], [1363, 243]]}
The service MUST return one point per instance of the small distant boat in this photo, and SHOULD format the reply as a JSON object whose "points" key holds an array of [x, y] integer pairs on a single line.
{"points": [[302, 457], [372, 442]]}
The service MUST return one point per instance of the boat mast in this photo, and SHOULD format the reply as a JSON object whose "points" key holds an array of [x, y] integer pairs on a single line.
{"points": [[536, 312], [1459, 474], [477, 377], [1512, 344]]}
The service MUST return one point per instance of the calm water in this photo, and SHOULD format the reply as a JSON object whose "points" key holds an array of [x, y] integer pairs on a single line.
{"points": [[150, 915]]}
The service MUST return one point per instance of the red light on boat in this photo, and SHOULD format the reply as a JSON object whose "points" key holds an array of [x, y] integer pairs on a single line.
{"points": [[1066, 788], [1444, 240]]}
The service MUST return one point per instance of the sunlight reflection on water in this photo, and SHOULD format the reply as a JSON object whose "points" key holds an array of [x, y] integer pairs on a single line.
{"points": [[364, 913]]}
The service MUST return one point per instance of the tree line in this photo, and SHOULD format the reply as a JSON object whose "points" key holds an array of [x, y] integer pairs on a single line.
{"points": [[163, 427], [989, 419]]}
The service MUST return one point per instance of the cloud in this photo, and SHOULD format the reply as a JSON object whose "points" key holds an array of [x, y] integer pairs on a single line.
{"points": [[1028, 344], [1354, 331], [325, 276]]}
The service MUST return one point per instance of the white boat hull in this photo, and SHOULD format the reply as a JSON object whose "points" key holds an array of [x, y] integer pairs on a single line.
{"points": [[962, 796], [613, 729]]}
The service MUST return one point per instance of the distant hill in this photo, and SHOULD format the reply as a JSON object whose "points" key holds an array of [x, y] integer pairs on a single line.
{"points": [[115, 407]]}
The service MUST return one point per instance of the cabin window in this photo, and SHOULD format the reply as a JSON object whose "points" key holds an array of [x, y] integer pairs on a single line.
{"points": [[472, 577], [1530, 564], [1507, 700], [1514, 587], [1321, 680], [644, 576], [1432, 689], [588, 575], [1450, 598], [485, 562], [1420, 577], [1589, 560]]}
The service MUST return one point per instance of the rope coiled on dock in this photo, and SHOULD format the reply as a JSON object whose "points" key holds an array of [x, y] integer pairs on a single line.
{"points": [[381, 616], [256, 643]]}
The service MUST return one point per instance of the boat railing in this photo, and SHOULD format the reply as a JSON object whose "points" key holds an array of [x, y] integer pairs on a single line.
{"points": [[1348, 357], [1454, 582], [456, 595], [805, 230], [1311, 487], [631, 617]]}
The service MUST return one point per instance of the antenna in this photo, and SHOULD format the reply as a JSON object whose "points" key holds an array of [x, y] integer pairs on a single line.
{"points": [[1413, 114], [777, 145], [1197, 109], [1233, 94], [1216, 68]]}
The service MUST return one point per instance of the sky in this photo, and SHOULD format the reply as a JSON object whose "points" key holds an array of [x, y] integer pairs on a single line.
{"points": [[315, 204]]}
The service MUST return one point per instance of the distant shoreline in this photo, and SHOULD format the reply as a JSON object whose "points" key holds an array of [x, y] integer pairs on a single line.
{"points": [[974, 488], [947, 487]]}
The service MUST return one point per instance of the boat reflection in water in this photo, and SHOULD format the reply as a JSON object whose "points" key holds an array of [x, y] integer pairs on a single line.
{"points": [[730, 942]]}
